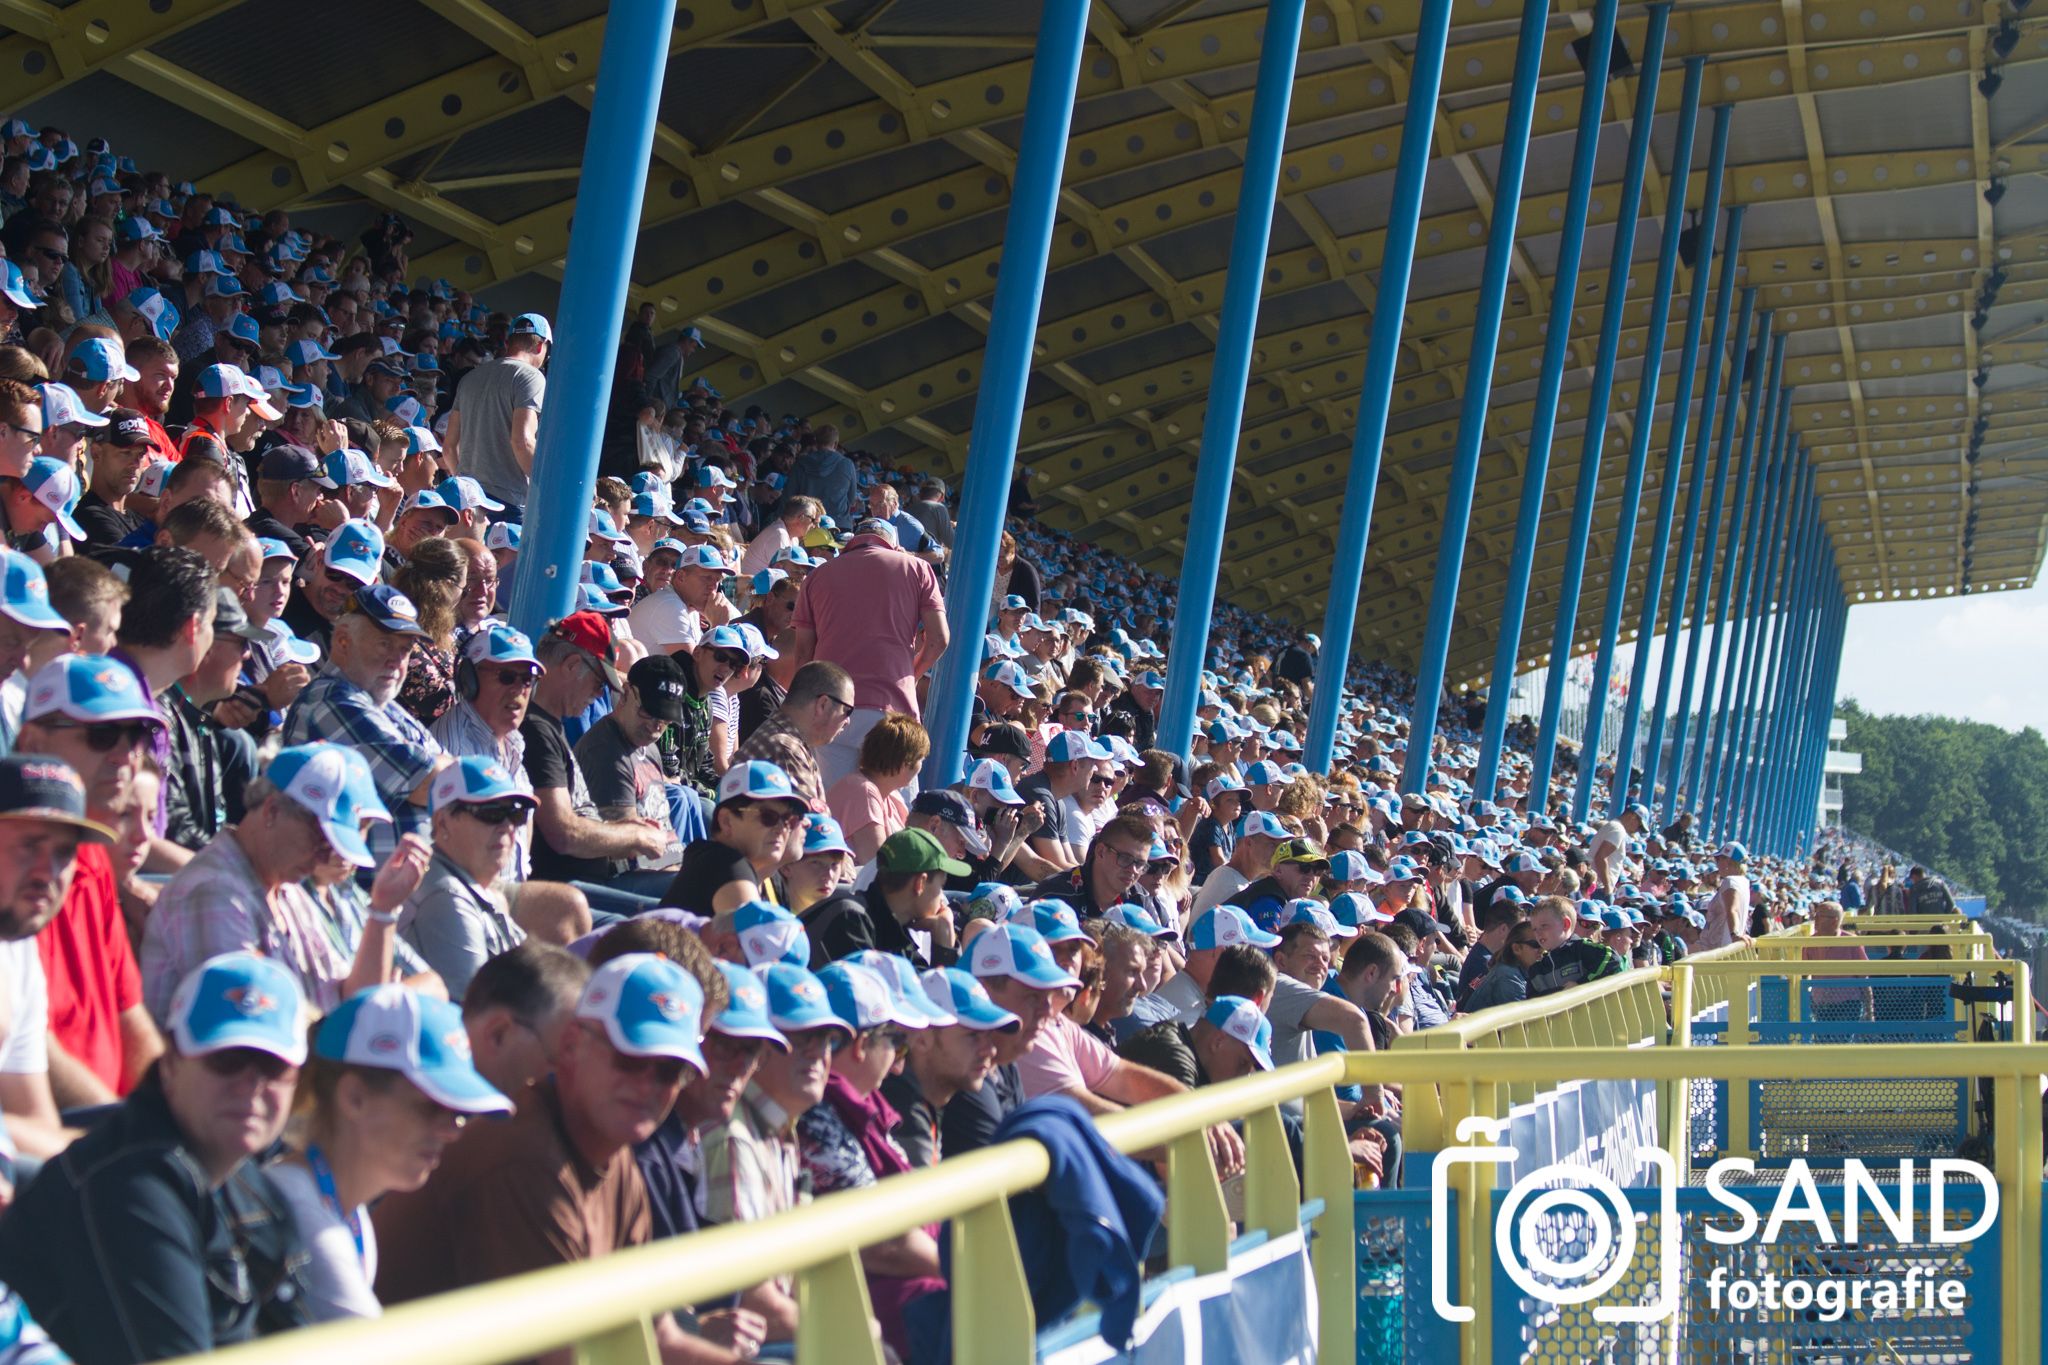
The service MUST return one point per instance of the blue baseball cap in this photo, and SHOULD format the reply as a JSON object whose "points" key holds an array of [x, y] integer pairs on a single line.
{"points": [[757, 780], [901, 979], [504, 535], [473, 780], [1354, 911], [1134, 916], [863, 1000], [90, 689], [53, 484], [1347, 866], [1264, 822], [238, 1000], [62, 407], [1243, 1020], [1018, 681], [465, 494], [703, 557], [498, 643], [531, 325], [989, 776], [649, 1007], [1513, 895], [1263, 774], [1070, 745], [391, 609], [102, 359], [956, 993], [1308, 910], [1226, 926], [1611, 918], [346, 468], [746, 1008], [823, 835], [394, 1028], [150, 304], [1054, 919], [1403, 870], [15, 287], [286, 642], [306, 350], [356, 548], [1020, 952], [427, 498], [768, 933], [1521, 860], [796, 999], [1733, 852], [320, 780]]}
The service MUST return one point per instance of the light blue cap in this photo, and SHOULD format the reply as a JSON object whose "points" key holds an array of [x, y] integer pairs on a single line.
{"points": [[992, 777], [746, 1008], [823, 835], [1348, 866], [1309, 910], [1226, 926], [649, 1007], [498, 643], [1020, 952], [287, 643], [1134, 916], [472, 780], [796, 999], [465, 494], [394, 1028], [1054, 919], [769, 933], [1243, 1020], [1265, 823], [757, 780], [957, 994], [239, 1000], [318, 779], [1069, 745], [88, 688], [356, 548], [54, 484]]}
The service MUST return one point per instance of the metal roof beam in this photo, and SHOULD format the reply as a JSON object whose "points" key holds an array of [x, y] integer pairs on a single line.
{"points": [[51, 47]]}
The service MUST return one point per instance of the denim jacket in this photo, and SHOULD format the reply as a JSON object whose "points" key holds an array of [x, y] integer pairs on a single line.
{"points": [[124, 1252]]}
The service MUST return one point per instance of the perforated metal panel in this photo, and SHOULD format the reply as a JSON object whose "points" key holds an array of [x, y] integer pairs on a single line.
{"points": [[1396, 1321]]}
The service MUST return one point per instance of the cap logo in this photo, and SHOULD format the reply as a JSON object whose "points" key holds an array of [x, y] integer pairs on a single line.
{"points": [[385, 1043], [250, 1000], [807, 990], [672, 1008]]}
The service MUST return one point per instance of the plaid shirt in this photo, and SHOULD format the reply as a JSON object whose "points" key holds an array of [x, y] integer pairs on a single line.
{"points": [[751, 1166], [778, 741], [214, 904], [401, 753]]}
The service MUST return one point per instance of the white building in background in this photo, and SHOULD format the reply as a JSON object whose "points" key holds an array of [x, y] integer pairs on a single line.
{"points": [[1839, 762]]}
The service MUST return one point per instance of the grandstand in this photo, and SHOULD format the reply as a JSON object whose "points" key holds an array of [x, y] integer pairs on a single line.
{"points": [[1317, 369]]}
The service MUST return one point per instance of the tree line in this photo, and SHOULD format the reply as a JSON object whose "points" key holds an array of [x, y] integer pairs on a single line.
{"points": [[1970, 799]]}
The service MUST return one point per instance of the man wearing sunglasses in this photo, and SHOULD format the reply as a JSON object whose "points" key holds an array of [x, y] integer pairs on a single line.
{"points": [[176, 1158], [352, 558], [457, 919]]}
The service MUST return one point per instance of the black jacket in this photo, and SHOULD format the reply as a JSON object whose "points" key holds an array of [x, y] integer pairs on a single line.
{"points": [[123, 1252]]}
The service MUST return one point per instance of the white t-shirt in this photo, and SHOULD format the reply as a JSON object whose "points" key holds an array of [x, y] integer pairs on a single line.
{"points": [[25, 1051], [1225, 882], [337, 1279], [663, 623], [774, 538]]}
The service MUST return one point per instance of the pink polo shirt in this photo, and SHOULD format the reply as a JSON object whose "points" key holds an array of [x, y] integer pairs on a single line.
{"points": [[866, 607], [1064, 1056]]}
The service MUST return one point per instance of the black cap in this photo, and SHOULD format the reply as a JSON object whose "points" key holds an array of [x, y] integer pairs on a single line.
{"points": [[230, 619], [1006, 739], [389, 608], [126, 428], [661, 685], [287, 461], [37, 787], [1420, 921], [955, 810]]}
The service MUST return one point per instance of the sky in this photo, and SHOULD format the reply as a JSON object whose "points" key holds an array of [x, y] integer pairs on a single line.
{"points": [[1982, 657]]}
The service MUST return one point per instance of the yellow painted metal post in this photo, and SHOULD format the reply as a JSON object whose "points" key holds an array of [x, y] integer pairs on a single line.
{"points": [[1197, 1224], [992, 1319], [833, 1314], [1272, 1199], [2020, 1266], [1678, 1113], [1473, 1182], [1326, 1175], [1738, 1089], [629, 1343]]}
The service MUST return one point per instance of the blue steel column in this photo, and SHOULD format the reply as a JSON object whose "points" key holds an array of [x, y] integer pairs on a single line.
{"points": [[1735, 565], [1695, 495], [595, 276], [1674, 466], [1257, 191], [1479, 362], [1679, 180], [1564, 289], [1006, 369], [1781, 675], [1382, 354], [1223, 420], [1764, 592], [1824, 703], [1598, 397], [1774, 626], [1795, 731], [1680, 763]]}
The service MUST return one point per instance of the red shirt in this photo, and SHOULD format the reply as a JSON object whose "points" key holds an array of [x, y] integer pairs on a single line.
{"points": [[91, 969]]}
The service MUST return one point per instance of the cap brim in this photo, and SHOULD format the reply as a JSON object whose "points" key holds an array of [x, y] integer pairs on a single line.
{"points": [[363, 571], [263, 408], [803, 1023], [70, 525], [460, 1089], [763, 1030], [91, 830], [349, 843], [992, 1020], [239, 1034], [976, 839], [1260, 1056]]}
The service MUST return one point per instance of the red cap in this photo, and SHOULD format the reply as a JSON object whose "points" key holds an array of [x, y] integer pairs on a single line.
{"points": [[592, 634]]}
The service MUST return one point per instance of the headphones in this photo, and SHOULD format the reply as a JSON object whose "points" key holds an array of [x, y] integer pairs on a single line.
{"points": [[467, 684]]}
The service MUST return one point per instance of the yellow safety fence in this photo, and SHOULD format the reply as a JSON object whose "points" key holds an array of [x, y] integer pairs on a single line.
{"points": [[1635, 1025]]}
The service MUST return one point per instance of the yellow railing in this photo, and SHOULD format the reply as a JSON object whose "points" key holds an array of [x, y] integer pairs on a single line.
{"points": [[603, 1307], [1635, 1025]]}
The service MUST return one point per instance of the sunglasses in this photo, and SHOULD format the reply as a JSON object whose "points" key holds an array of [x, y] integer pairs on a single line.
{"points": [[521, 678], [231, 1062], [730, 658], [771, 818], [1162, 866], [103, 737], [499, 812], [1101, 781], [667, 1071]]}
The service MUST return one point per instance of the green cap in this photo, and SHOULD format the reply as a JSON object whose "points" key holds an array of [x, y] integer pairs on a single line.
{"points": [[914, 850]]}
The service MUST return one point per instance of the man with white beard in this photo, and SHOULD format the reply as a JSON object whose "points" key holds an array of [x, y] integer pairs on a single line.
{"points": [[353, 700]]}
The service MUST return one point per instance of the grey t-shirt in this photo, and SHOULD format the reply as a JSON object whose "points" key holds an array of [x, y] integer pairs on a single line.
{"points": [[487, 399], [1290, 1004]]}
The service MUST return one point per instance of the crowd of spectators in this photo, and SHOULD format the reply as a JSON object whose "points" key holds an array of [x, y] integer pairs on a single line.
{"points": [[359, 947]]}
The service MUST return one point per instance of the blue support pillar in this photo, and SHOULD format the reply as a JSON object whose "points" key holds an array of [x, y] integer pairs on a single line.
{"points": [[1695, 495], [1737, 563], [1006, 369], [1674, 466], [1639, 453], [1803, 718], [1824, 700], [1375, 397], [1771, 658], [1258, 190], [1772, 749], [1813, 722], [1564, 289], [1767, 588], [1598, 399], [1689, 674], [595, 277], [1479, 361]]}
